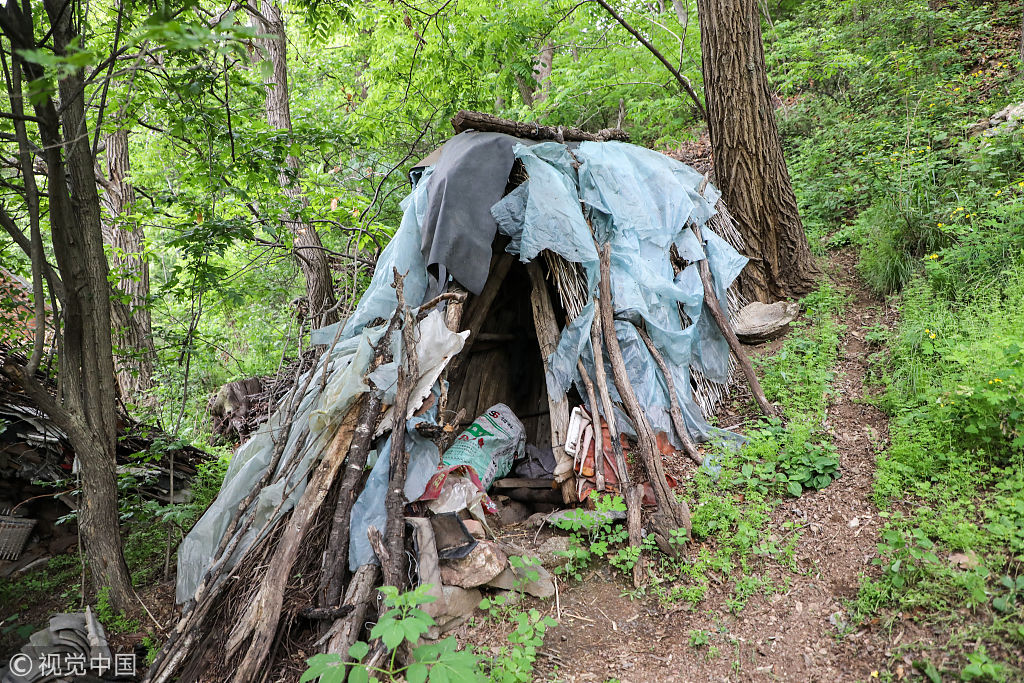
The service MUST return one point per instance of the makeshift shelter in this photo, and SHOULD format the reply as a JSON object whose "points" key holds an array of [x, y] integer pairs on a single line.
{"points": [[527, 279]]}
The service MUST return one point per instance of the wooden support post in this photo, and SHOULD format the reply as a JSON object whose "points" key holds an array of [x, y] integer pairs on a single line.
{"points": [[596, 419], [335, 558], [394, 502], [711, 300], [671, 515], [476, 310], [606, 399], [547, 336], [359, 594]]}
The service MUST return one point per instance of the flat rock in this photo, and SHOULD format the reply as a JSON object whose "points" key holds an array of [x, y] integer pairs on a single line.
{"points": [[515, 578], [757, 322], [549, 551], [586, 518], [460, 603], [481, 565], [475, 528], [513, 512]]}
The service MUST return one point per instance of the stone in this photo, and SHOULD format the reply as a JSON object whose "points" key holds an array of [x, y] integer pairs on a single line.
{"points": [[512, 512], [475, 528], [514, 578], [548, 552], [587, 518], [757, 322], [460, 603], [481, 565]]}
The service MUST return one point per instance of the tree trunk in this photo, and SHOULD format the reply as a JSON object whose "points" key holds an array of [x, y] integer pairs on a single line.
{"points": [[542, 71], [130, 316], [308, 248], [749, 166], [86, 407]]}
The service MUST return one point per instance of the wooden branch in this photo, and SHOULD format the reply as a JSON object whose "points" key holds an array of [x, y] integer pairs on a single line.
{"points": [[711, 299], [325, 613], [393, 567], [346, 631], [606, 399], [680, 78], [596, 420], [677, 415], [634, 496], [474, 120], [547, 337], [671, 514], [335, 557], [262, 616]]}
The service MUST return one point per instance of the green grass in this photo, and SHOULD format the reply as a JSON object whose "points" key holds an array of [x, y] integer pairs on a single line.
{"points": [[881, 164]]}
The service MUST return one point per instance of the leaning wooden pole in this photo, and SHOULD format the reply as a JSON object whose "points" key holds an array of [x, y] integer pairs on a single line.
{"points": [[711, 299], [394, 502], [258, 624], [547, 337], [672, 515]]}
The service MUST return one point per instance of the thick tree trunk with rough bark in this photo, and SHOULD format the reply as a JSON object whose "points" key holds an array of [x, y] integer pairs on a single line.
{"points": [[86, 409], [308, 248], [130, 317], [749, 165]]}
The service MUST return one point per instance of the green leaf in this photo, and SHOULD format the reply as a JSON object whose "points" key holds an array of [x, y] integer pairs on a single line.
{"points": [[795, 489], [358, 650], [393, 637], [416, 673]]}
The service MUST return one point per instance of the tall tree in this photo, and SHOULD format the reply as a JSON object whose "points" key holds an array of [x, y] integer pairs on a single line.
{"points": [[85, 408], [308, 248], [749, 165], [130, 315]]}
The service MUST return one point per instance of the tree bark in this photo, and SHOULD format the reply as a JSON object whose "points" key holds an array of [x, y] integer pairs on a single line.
{"points": [[749, 166], [85, 410], [474, 120], [308, 249], [130, 316], [542, 72]]}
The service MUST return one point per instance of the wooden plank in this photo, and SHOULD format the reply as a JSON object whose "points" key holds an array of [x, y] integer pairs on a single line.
{"points": [[547, 337], [518, 482]]}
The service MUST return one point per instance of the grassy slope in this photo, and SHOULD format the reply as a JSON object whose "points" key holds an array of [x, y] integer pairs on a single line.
{"points": [[880, 95]]}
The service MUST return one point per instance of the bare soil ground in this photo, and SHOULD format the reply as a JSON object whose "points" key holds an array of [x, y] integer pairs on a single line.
{"points": [[796, 632]]}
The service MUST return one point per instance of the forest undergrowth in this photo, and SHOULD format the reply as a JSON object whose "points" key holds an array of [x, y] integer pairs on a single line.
{"points": [[877, 103]]}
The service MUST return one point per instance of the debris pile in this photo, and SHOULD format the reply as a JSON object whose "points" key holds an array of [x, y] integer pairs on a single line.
{"points": [[38, 471], [73, 647]]}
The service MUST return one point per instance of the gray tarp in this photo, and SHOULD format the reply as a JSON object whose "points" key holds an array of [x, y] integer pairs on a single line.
{"points": [[638, 200]]}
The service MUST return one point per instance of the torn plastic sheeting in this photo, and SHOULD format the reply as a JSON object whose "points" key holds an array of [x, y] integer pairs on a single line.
{"points": [[318, 412], [646, 193], [250, 462], [642, 202], [435, 346], [546, 213], [369, 506]]}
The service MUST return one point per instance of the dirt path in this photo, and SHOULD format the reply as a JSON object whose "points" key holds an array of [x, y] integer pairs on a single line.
{"points": [[788, 635]]}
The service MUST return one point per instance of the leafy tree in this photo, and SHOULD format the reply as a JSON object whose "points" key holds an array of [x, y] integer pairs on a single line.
{"points": [[85, 407]]}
